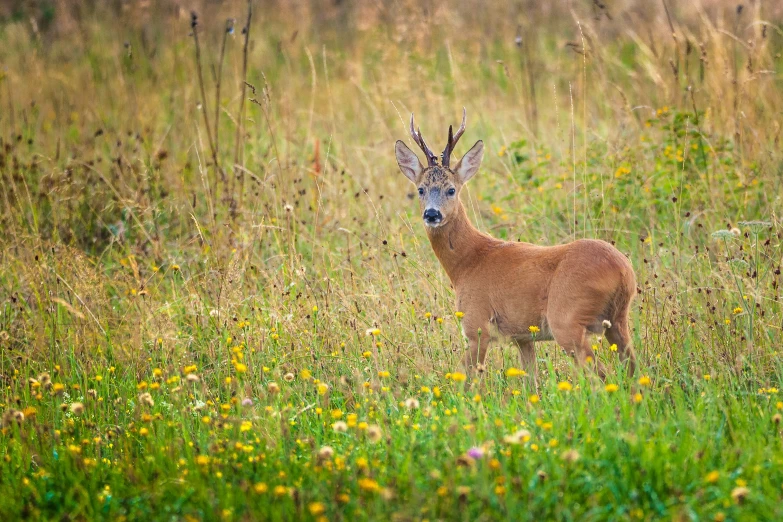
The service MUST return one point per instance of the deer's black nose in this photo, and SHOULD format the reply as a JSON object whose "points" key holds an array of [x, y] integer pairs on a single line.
{"points": [[432, 215]]}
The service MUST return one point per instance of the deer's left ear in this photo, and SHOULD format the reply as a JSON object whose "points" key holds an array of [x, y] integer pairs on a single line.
{"points": [[470, 162], [408, 161]]}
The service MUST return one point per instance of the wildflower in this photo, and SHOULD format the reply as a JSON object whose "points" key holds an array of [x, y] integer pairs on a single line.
{"points": [[707, 377], [273, 388], [564, 386], [411, 403], [247, 402], [367, 354], [515, 372], [322, 388], [611, 388], [375, 332], [519, 437], [336, 414], [58, 388], [280, 491], [458, 377], [459, 315], [739, 494], [260, 488], [374, 434], [475, 453], [305, 374], [712, 477], [146, 400], [368, 484], [326, 453], [383, 374], [644, 380], [613, 347], [77, 408], [240, 367], [316, 508], [144, 432], [570, 456], [637, 398], [534, 399], [340, 427], [606, 324], [737, 310], [192, 377], [533, 329], [315, 309], [288, 377], [202, 460], [777, 418]]}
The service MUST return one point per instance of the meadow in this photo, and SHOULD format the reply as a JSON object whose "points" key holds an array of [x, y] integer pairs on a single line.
{"points": [[218, 300]]}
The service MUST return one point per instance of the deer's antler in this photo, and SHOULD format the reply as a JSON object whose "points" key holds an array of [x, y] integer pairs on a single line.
{"points": [[453, 139], [432, 159]]}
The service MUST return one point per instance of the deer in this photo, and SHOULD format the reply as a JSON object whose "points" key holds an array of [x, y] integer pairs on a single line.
{"points": [[520, 290]]}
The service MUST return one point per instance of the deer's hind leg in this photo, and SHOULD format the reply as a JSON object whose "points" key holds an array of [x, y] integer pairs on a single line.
{"points": [[572, 336]]}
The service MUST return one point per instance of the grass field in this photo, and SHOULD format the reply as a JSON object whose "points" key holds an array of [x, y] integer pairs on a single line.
{"points": [[219, 302]]}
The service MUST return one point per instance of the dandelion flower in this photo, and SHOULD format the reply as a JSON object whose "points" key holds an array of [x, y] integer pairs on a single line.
{"points": [[288, 377], [611, 388], [644, 380], [564, 386], [77, 408], [459, 315], [458, 377], [712, 477], [411, 403], [326, 453], [340, 427], [739, 494], [260, 488], [146, 399], [273, 388], [515, 372], [533, 329], [570, 456], [534, 399], [192, 377], [317, 508]]}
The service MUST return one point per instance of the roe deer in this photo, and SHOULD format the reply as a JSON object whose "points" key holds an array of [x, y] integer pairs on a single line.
{"points": [[565, 291]]}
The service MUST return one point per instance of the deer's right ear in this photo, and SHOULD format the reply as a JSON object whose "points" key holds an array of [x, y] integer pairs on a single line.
{"points": [[408, 161]]}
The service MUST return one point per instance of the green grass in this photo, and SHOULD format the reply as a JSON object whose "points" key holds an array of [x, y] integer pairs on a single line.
{"points": [[178, 341]]}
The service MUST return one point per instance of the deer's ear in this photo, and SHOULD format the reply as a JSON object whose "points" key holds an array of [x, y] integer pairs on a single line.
{"points": [[470, 162], [408, 161]]}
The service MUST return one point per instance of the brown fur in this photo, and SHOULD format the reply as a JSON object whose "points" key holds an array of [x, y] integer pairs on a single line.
{"points": [[567, 291]]}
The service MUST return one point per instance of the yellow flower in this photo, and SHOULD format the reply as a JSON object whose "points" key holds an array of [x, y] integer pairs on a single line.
{"points": [[637, 398], [315, 309], [383, 374], [367, 354], [644, 380], [368, 484], [533, 329], [737, 310], [280, 491], [336, 414], [240, 368], [707, 377], [202, 460], [458, 377], [144, 432], [564, 386], [712, 477], [459, 315], [515, 372], [305, 374], [316, 508], [322, 388], [534, 399], [611, 388], [613, 347]]}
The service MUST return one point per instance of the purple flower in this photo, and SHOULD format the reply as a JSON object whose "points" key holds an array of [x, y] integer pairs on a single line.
{"points": [[475, 453], [247, 402]]}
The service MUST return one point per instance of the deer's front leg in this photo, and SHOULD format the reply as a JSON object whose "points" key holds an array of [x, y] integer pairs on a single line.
{"points": [[477, 332]]}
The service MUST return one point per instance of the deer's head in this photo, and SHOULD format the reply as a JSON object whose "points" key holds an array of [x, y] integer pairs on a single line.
{"points": [[437, 183]]}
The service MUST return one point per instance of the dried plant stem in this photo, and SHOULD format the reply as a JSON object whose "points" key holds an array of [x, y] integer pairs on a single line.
{"points": [[239, 167], [204, 110]]}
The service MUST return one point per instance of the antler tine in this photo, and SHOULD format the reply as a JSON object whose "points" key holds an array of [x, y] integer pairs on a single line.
{"points": [[417, 137], [454, 138]]}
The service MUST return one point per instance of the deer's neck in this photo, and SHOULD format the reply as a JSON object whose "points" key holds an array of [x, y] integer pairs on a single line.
{"points": [[458, 244]]}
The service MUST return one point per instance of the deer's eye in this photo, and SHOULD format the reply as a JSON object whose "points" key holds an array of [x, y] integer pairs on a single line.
{"points": [[421, 192], [451, 191]]}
